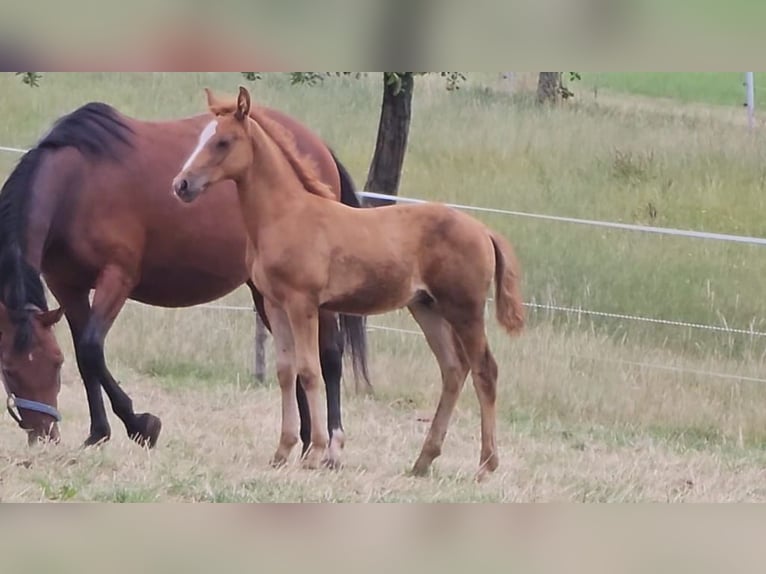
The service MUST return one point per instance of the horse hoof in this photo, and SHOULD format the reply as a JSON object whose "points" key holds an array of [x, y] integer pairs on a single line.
{"points": [[148, 429], [332, 458], [420, 469], [482, 475], [490, 464], [96, 440], [313, 460], [277, 461], [332, 463]]}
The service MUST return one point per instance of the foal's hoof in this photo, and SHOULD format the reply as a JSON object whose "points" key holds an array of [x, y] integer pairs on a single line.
{"points": [[278, 461], [332, 458], [421, 468], [487, 468], [314, 459], [147, 430], [331, 462]]}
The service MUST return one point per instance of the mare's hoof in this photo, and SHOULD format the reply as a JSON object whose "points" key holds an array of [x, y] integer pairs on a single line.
{"points": [[147, 431], [96, 440]]}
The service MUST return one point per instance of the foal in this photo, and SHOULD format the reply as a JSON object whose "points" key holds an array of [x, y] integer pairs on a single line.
{"points": [[307, 254]]}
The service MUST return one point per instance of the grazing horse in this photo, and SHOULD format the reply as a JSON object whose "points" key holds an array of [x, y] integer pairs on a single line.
{"points": [[90, 208], [307, 254]]}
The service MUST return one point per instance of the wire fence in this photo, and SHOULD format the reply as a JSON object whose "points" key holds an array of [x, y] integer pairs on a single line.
{"points": [[691, 234]]}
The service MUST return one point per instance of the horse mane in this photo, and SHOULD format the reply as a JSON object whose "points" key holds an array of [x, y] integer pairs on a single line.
{"points": [[93, 129], [303, 166]]}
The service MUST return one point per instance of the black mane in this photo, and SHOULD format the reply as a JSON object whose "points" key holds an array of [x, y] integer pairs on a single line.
{"points": [[97, 131]]}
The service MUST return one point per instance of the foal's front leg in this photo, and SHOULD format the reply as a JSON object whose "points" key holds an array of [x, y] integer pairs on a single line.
{"points": [[286, 372], [304, 325]]}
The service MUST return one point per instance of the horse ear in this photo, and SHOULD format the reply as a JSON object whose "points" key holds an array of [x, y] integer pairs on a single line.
{"points": [[243, 104], [50, 318], [212, 101]]}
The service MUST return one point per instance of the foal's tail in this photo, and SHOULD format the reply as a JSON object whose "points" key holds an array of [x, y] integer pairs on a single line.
{"points": [[508, 302]]}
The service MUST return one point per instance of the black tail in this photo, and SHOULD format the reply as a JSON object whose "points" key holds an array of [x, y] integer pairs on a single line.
{"points": [[353, 328]]}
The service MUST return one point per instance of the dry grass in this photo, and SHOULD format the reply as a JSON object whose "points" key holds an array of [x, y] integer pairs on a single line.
{"points": [[574, 430]]}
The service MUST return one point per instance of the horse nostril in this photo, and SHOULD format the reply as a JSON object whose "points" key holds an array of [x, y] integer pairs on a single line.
{"points": [[183, 185]]}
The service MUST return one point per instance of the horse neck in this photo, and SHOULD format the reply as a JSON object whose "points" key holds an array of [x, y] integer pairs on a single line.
{"points": [[48, 194], [271, 189]]}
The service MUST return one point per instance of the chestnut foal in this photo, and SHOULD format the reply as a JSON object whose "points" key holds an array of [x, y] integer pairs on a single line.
{"points": [[307, 254]]}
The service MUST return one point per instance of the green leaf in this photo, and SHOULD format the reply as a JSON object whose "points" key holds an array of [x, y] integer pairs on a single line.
{"points": [[31, 79]]}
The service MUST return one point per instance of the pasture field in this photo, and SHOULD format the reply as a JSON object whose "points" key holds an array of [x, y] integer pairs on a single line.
{"points": [[716, 88], [583, 415]]}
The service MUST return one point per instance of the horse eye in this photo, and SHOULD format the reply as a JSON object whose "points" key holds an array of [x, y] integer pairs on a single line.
{"points": [[222, 144]]}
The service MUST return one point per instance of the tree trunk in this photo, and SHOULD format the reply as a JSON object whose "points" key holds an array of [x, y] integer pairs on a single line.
{"points": [[548, 87], [393, 132]]}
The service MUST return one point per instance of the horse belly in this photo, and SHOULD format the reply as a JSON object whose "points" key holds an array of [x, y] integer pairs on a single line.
{"points": [[183, 287], [378, 290]]}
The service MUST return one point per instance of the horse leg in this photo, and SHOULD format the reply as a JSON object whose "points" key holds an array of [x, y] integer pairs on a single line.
{"points": [[331, 361], [286, 374], [304, 325], [111, 292], [300, 394], [484, 372], [454, 370], [77, 311]]}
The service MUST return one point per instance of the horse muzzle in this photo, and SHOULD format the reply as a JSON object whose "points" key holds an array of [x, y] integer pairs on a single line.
{"points": [[43, 419], [187, 189]]}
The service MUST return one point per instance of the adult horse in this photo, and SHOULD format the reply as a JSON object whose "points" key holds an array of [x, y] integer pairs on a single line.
{"points": [[90, 208], [438, 262]]}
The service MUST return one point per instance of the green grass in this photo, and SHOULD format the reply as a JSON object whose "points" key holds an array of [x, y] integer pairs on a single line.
{"points": [[717, 88], [573, 427]]}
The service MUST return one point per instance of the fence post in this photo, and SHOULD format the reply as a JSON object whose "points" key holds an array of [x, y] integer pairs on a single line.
{"points": [[750, 87], [260, 349]]}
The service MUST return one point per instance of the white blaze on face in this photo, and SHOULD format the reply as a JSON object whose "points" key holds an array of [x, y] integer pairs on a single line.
{"points": [[204, 137]]}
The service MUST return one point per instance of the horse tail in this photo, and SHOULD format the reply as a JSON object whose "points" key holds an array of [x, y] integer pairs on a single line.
{"points": [[509, 304], [353, 327], [348, 194]]}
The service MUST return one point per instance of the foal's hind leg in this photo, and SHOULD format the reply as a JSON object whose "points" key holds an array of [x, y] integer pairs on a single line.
{"points": [[484, 371], [454, 369]]}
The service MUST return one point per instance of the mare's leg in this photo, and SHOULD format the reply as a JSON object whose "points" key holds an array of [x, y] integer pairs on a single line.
{"points": [[471, 332], [112, 289], [303, 317], [77, 310], [331, 359], [300, 394], [454, 370], [89, 326], [286, 374]]}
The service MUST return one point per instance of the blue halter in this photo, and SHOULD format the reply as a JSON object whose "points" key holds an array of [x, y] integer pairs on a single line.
{"points": [[14, 403]]}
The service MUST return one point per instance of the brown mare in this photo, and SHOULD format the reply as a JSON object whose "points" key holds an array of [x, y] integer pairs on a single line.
{"points": [[307, 254], [90, 207]]}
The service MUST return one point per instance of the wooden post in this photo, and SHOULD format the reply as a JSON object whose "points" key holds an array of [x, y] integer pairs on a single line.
{"points": [[260, 350]]}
